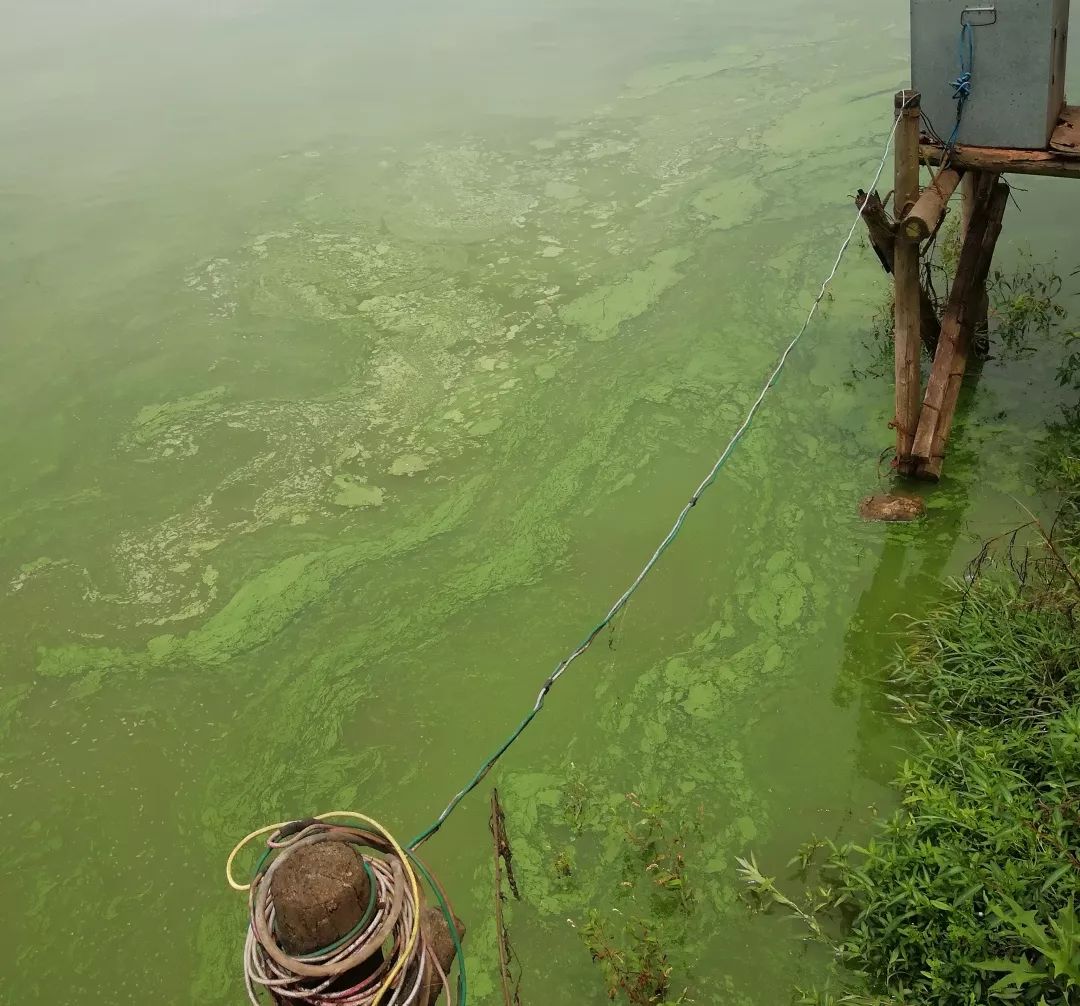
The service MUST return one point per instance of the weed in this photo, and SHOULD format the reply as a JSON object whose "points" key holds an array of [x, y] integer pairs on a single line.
{"points": [[1025, 305], [658, 849], [633, 961], [634, 957], [563, 865], [806, 853]]}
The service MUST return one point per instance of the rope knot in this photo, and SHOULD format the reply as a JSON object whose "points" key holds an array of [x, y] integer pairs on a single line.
{"points": [[961, 86]]}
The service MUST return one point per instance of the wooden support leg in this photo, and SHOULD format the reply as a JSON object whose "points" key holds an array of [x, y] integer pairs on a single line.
{"points": [[976, 186], [906, 281], [882, 233], [957, 328]]}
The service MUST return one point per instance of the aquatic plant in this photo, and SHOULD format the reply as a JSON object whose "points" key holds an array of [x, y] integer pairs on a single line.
{"points": [[634, 962], [633, 956], [657, 849]]}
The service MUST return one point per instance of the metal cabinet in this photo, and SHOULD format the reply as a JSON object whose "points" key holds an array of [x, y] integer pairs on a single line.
{"points": [[1017, 54]]}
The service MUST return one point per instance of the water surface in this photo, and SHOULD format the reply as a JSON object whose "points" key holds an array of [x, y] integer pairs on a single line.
{"points": [[355, 358]]}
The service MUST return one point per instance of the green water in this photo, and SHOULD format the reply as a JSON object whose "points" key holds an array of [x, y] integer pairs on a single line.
{"points": [[355, 357]]}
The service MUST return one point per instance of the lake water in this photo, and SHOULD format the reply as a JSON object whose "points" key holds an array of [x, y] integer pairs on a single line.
{"points": [[355, 357]]}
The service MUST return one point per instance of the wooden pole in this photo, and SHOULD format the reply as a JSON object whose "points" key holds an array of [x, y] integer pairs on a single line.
{"points": [[957, 326], [977, 186], [503, 857], [968, 189], [928, 212], [930, 470], [906, 280], [882, 233]]}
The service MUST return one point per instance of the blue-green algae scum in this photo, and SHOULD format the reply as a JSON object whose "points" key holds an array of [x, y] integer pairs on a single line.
{"points": [[355, 357]]}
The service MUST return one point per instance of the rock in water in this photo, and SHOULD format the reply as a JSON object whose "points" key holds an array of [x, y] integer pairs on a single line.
{"points": [[891, 508]]}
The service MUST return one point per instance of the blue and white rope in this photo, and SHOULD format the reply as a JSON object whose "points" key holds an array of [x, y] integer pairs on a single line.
{"points": [[624, 598]]}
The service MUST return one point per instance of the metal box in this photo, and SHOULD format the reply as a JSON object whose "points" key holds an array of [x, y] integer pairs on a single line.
{"points": [[1017, 73]]}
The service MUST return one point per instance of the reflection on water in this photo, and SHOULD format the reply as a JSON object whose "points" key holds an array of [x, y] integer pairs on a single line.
{"points": [[356, 357]]}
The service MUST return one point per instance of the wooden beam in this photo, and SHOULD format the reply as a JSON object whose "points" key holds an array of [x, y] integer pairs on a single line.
{"points": [[943, 387], [926, 215], [882, 233], [1000, 161], [907, 319], [976, 187]]}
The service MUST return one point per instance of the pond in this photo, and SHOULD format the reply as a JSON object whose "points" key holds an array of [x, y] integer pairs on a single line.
{"points": [[356, 357]]}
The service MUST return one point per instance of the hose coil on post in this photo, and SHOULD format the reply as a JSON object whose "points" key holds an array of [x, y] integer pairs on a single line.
{"points": [[391, 923]]}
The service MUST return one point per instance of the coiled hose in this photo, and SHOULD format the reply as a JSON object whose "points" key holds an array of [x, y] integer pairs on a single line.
{"points": [[391, 923]]}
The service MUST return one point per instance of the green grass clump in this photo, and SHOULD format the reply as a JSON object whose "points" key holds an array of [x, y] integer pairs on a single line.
{"points": [[1001, 654], [967, 895]]}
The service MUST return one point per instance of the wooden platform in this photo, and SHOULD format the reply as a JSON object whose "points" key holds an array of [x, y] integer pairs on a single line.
{"points": [[1062, 160]]}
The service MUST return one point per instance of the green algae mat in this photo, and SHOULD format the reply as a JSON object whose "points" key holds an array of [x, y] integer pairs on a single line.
{"points": [[355, 359]]}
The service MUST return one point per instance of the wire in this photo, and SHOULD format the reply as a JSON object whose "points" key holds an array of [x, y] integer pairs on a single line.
{"points": [[562, 666]]}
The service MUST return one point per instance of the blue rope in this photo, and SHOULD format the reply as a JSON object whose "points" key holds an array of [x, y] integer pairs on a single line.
{"points": [[963, 83]]}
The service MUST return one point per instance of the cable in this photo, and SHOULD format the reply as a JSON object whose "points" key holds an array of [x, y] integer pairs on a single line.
{"points": [[448, 915], [561, 667]]}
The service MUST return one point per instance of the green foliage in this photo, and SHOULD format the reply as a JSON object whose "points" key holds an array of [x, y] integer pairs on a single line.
{"points": [[1069, 368], [984, 835], [762, 894], [1058, 949], [1001, 652], [1061, 473], [807, 851], [1025, 306]]}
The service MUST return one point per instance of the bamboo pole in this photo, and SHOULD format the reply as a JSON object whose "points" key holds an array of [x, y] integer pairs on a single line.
{"points": [[906, 280], [957, 328], [928, 212]]}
